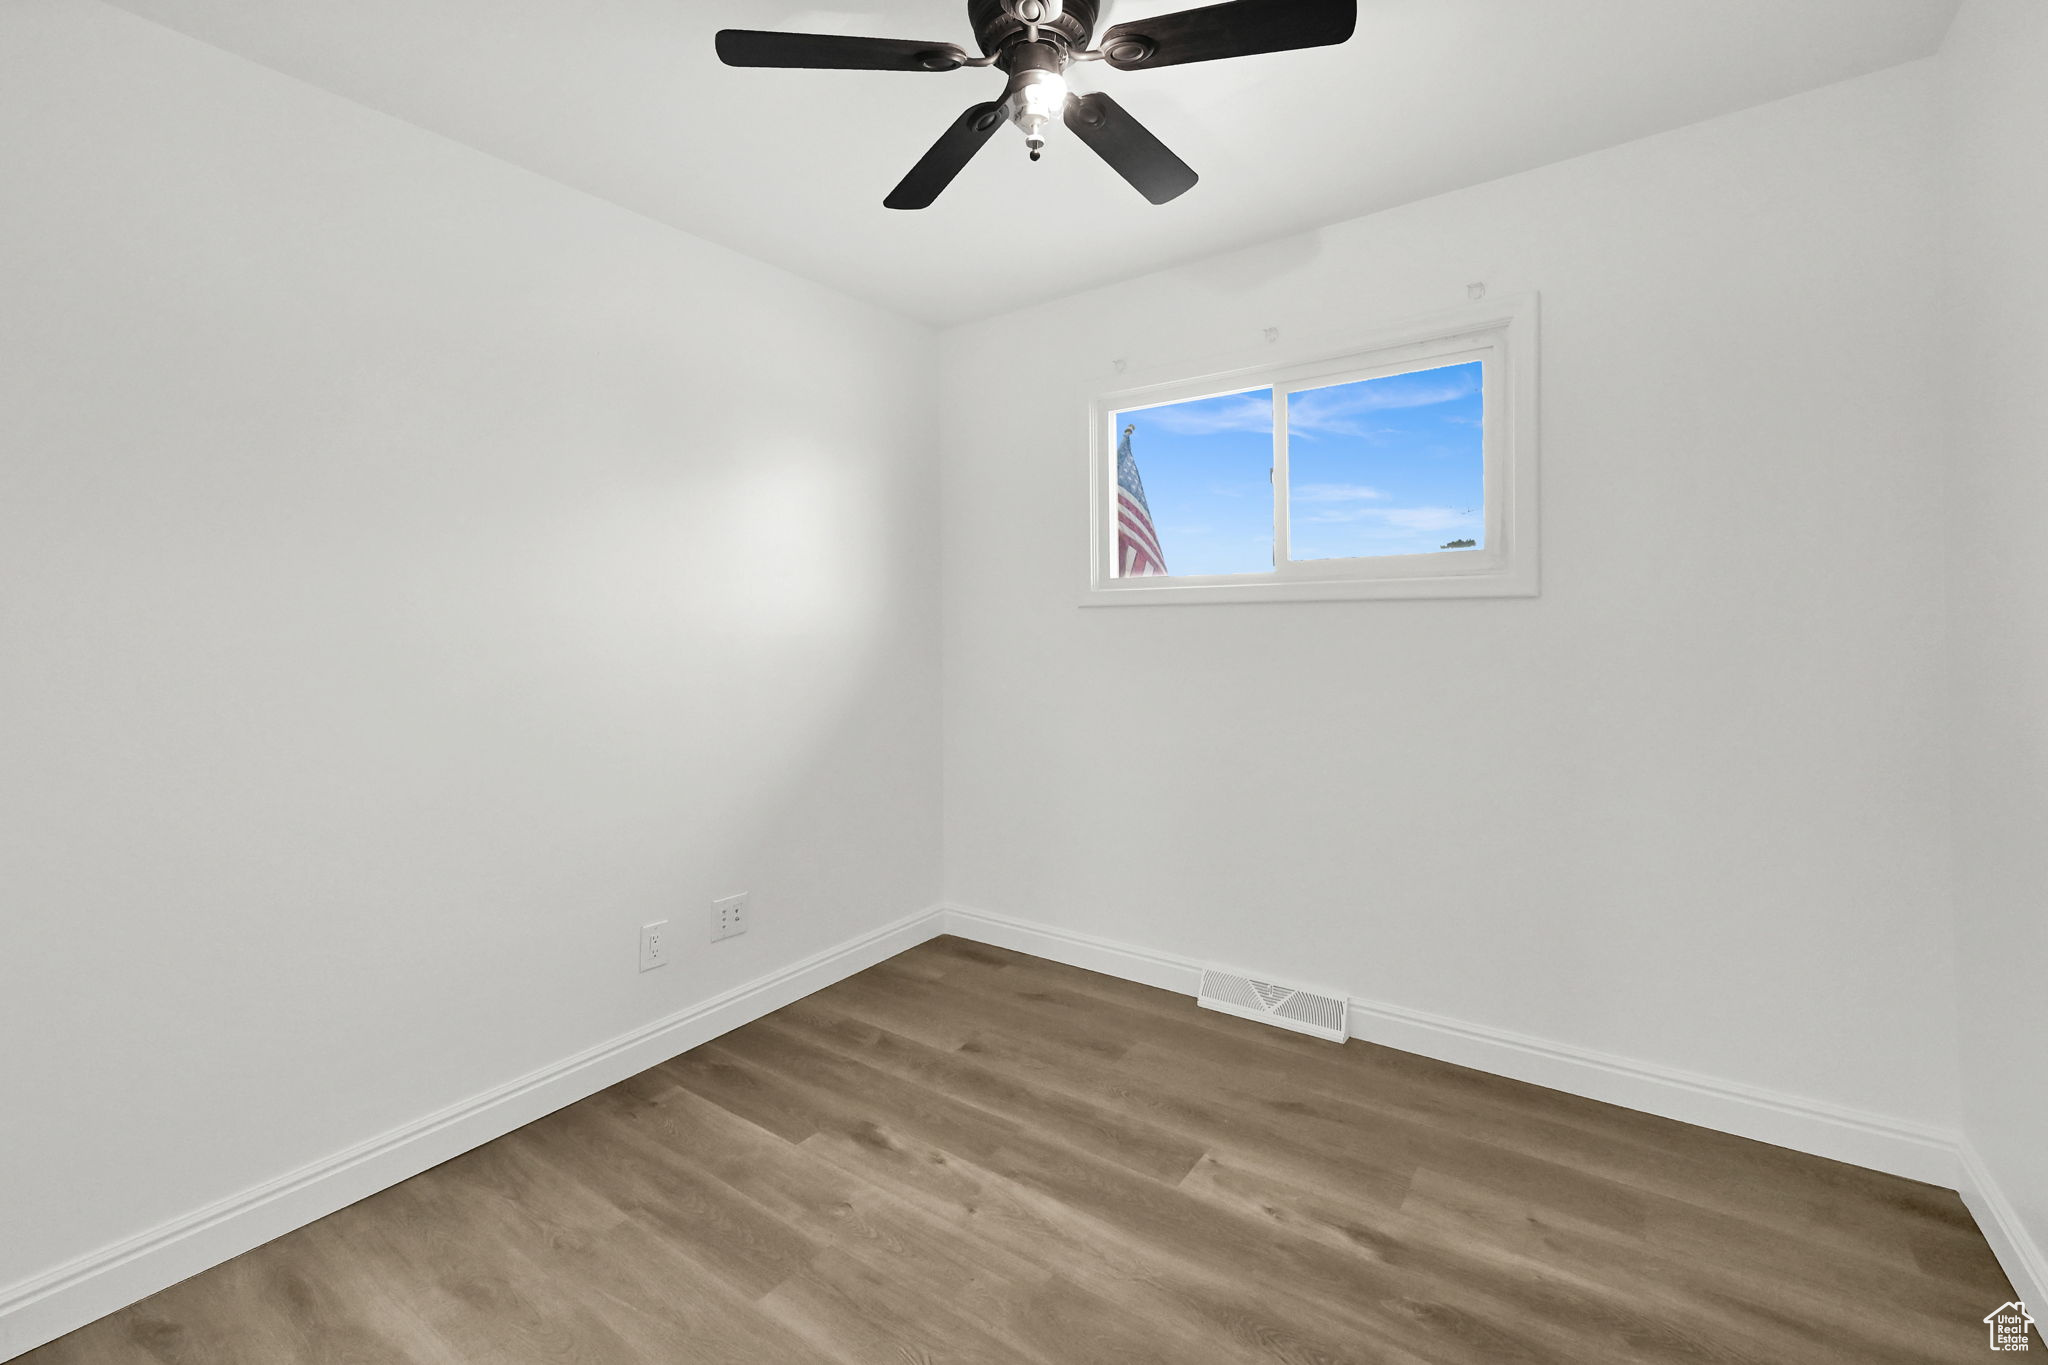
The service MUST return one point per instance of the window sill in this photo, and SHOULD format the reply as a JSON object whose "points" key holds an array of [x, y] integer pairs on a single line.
{"points": [[1156, 593]]}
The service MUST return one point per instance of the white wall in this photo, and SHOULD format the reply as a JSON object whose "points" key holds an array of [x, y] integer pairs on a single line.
{"points": [[1687, 806], [1996, 290], [413, 577]]}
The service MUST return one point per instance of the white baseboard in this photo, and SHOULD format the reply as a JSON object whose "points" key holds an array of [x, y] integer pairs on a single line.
{"points": [[1820, 1127], [2017, 1251], [1898, 1146], [46, 1307], [1167, 971]]}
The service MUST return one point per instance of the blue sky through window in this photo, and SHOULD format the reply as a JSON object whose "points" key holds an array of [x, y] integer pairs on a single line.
{"points": [[1208, 471], [1377, 467], [1389, 466]]}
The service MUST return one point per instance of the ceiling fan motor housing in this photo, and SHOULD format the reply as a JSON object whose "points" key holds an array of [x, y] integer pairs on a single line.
{"points": [[995, 27]]}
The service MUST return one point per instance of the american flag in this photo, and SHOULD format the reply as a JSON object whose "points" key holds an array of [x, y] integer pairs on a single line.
{"points": [[1137, 545]]}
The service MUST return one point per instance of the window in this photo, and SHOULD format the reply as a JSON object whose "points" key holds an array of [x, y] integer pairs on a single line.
{"points": [[1399, 466]]}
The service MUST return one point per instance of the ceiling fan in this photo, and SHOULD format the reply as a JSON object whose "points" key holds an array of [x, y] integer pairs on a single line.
{"points": [[1034, 42]]}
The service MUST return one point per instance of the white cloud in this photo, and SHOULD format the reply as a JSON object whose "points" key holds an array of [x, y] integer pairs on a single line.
{"points": [[1335, 492], [1430, 518], [1242, 413], [1401, 518], [1341, 514], [1334, 411]]}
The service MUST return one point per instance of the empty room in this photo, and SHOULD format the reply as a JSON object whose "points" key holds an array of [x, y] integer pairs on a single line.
{"points": [[1023, 682]]}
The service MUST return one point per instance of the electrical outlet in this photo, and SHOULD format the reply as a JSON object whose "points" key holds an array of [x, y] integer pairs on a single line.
{"points": [[654, 945], [729, 917]]}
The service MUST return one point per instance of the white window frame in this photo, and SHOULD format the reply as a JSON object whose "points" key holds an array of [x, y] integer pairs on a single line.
{"points": [[1501, 334]]}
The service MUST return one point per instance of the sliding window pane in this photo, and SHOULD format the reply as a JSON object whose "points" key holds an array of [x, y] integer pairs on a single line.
{"points": [[1195, 487], [1392, 466]]}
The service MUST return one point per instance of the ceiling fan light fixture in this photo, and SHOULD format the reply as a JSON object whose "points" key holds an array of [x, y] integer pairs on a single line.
{"points": [[1036, 99]]}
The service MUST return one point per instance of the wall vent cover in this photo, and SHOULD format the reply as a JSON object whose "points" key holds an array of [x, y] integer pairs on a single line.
{"points": [[1290, 1007]]}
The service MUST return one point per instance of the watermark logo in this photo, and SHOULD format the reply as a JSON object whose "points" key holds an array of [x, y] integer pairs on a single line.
{"points": [[2009, 1323]]}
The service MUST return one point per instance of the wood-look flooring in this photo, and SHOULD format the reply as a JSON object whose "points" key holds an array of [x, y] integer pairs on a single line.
{"points": [[967, 1155]]}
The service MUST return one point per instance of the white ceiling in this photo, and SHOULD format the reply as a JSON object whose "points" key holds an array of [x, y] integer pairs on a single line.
{"points": [[625, 100]]}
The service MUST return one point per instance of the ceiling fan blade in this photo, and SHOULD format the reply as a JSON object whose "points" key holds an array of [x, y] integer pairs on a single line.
{"points": [[1240, 28], [947, 158], [1129, 148], [825, 51]]}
